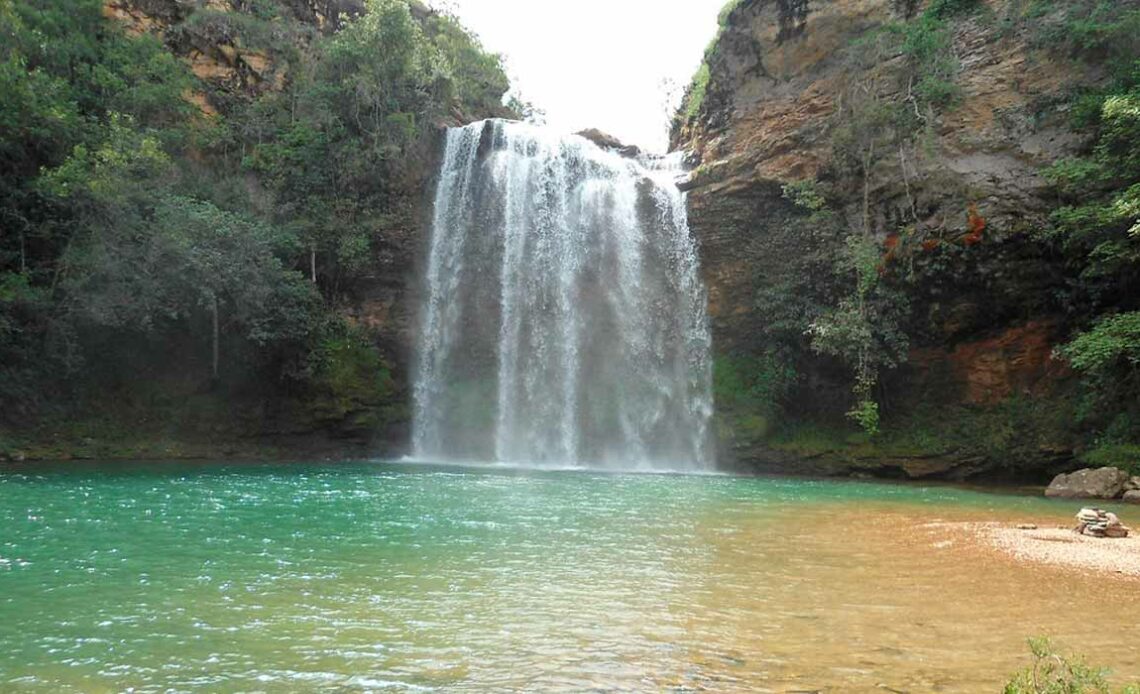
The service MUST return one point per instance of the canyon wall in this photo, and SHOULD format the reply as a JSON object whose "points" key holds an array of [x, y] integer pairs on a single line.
{"points": [[952, 210]]}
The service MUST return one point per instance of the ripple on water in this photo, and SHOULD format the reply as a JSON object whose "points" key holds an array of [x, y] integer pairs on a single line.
{"points": [[363, 576]]}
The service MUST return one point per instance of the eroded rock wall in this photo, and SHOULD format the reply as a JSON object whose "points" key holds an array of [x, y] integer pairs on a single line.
{"points": [[778, 76]]}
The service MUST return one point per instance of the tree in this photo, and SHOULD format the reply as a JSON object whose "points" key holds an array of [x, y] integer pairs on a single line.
{"points": [[149, 257]]}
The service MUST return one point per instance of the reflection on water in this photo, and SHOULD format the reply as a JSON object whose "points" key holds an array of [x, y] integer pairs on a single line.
{"points": [[300, 578]]}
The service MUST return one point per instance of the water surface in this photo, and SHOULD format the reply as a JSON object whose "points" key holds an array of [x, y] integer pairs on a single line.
{"points": [[389, 577]]}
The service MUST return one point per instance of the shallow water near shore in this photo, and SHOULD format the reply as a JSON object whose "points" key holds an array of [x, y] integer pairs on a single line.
{"points": [[371, 576]]}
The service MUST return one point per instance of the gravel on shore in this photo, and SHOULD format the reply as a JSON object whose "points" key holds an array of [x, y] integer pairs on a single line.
{"points": [[1063, 547]]}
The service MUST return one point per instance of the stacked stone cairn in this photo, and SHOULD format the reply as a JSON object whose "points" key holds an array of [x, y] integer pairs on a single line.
{"points": [[1096, 522]]}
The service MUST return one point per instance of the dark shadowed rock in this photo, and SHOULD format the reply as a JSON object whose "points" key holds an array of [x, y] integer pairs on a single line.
{"points": [[1090, 483], [606, 141]]}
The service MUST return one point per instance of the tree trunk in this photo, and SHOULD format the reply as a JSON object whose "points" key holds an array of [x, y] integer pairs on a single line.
{"points": [[313, 263], [868, 159], [214, 317]]}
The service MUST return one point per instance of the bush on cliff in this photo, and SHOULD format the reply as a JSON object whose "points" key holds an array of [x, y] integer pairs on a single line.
{"points": [[1097, 228]]}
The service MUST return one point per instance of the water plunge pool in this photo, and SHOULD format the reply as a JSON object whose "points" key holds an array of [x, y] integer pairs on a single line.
{"points": [[370, 576]]}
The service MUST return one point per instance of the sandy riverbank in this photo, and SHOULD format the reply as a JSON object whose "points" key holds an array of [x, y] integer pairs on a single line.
{"points": [[1059, 546]]}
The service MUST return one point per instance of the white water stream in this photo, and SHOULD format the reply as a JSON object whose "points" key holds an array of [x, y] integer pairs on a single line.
{"points": [[565, 321]]}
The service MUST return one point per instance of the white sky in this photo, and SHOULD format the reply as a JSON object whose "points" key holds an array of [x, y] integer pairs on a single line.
{"points": [[596, 63]]}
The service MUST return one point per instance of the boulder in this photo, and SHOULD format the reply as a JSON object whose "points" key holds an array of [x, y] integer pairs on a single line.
{"points": [[1099, 483], [607, 141], [1132, 497], [1132, 485]]}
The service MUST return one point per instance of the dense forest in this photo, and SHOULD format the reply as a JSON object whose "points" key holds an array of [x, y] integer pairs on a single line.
{"points": [[177, 253]]}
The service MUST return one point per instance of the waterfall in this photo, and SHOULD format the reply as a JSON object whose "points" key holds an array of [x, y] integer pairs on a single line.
{"points": [[565, 319]]}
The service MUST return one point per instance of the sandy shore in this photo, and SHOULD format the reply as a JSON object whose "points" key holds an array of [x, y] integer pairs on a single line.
{"points": [[1061, 547]]}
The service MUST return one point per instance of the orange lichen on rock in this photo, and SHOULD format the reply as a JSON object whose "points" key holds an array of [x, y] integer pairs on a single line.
{"points": [[891, 244], [1018, 362], [201, 102], [975, 225], [134, 21]]}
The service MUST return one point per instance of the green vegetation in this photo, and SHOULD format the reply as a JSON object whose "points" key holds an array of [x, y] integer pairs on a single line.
{"points": [[749, 391], [349, 378], [211, 252], [863, 330], [1108, 357], [1055, 673], [1124, 456], [927, 44], [1017, 431], [946, 9], [694, 98], [1097, 229]]}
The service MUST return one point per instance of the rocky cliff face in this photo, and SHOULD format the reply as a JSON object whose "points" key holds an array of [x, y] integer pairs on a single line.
{"points": [[960, 196], [207, 34]]}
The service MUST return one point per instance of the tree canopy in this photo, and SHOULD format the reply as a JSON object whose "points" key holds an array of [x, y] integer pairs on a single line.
{"points": [[127, 218]]}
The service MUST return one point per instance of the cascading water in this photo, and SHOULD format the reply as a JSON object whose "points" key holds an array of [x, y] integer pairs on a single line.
{"points": [[565, 320]]}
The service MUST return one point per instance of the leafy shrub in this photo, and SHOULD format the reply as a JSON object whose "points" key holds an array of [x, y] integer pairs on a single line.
{"points": [[1114, 343], [1055, 673], [1124, 456], [478, 77], [944, 9], [866, 415], [1096, 228], [1108, 359], [757, 383], [695, 98], [750, 391], [347, 373], [864, 330], [726, 12]]}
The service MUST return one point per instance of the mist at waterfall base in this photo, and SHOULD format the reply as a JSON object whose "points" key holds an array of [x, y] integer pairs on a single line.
{"points": [[564, 321]]}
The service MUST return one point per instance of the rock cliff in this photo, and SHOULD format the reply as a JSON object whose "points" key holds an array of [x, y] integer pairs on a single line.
{"points": [[950, 209]]}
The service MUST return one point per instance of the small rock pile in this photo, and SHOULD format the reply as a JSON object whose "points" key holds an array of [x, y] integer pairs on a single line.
{"points": [[1099, 523]]}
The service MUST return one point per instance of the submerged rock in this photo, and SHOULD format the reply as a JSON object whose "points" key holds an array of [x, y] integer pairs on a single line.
{"points": [[1099, 483]]}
